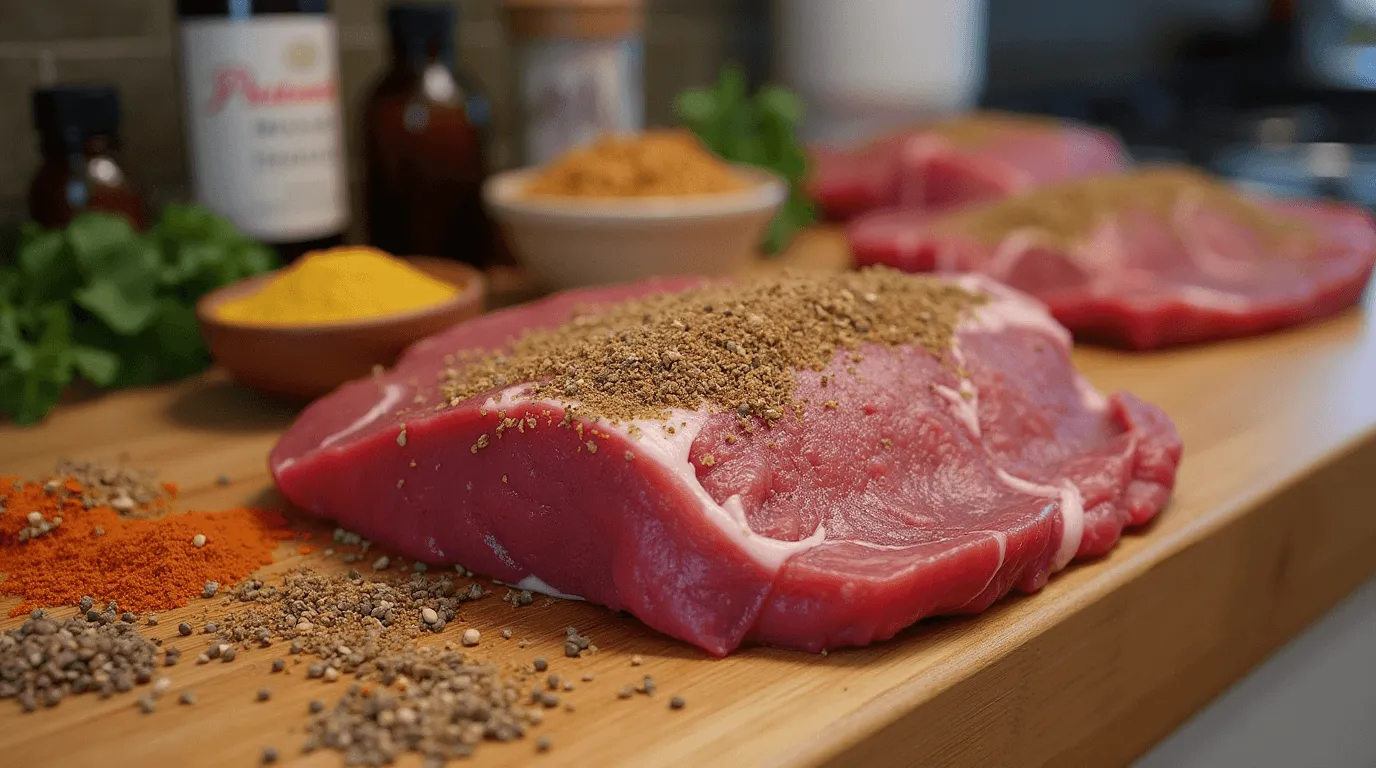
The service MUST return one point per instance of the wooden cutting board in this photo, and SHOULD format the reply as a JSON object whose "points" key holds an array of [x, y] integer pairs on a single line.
{"points": [[1271, 524]]}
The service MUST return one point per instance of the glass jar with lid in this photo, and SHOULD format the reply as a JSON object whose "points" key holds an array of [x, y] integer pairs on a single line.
{"points": [[580, 64]]}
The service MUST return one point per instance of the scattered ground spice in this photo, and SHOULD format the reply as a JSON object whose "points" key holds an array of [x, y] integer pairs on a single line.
{"points": [[732, 346], [345, 620], [122, 488], [147, 563], [44, 660], [449, 706]]}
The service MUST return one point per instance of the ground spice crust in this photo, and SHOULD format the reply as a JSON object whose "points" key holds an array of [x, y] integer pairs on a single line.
{"points": [[1065, 214], [732, 346], [146, 564]]}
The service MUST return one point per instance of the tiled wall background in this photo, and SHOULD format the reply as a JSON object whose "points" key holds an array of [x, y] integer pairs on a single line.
{"points": [[131, 44]]}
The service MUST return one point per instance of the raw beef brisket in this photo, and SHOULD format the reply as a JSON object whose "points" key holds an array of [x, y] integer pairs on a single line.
{"points": [[956, 162], [898, 483], [1157, 257]]}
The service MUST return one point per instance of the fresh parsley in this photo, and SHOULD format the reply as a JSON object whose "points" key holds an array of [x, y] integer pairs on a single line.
{"points": [[757, 130], [116, 307]]}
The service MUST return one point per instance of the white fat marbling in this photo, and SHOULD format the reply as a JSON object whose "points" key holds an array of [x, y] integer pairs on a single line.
{"points": [[652, 443], [913, 156], [1011, 250], [1090, 397], [533, 583], [1220, 301], [391, 395], [1008, 308], [964, 404], [1187, 208], [1104, 252], [1072, 513]]}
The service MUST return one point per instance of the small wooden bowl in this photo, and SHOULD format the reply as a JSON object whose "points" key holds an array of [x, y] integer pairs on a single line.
{"points": [[309, 361]]}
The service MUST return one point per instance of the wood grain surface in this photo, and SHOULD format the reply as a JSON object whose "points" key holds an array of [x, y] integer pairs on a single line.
{"points": [[1272, 523]]}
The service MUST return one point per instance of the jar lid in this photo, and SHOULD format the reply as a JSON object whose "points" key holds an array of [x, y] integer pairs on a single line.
{"points": [[574, 19], [420, 30], [74, 113], [239, 9]]}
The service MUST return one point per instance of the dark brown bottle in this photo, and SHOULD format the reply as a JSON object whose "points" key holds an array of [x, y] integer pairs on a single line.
{"points": [[78, 128], [424, 131]]}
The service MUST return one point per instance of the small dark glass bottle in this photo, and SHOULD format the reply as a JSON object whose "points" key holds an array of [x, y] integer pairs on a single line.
{"points": [[424, 131], [78, 129]]}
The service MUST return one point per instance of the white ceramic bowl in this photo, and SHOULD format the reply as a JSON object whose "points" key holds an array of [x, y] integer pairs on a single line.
{"points": [[572, 242]]}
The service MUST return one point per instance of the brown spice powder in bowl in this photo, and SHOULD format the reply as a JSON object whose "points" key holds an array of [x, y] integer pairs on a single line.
{"points": [[666, 163]]}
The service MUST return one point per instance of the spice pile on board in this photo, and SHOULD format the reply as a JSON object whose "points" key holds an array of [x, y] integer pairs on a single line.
{"points": [[46, 659], [123, 489], [143, 563], [346, 621], [440, 703]]}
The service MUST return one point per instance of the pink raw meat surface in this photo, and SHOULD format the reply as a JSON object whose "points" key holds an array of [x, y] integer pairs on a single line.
{"points": [[904, 492], [935, 168], [1143, 280]]}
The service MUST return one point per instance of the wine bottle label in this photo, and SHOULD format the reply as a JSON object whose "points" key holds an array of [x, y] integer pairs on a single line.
{"points": [[263, 118]]}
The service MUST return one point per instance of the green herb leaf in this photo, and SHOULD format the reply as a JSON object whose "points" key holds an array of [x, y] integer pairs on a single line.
{"points": [[178, 337], [756, 131], [126, 307], [99, 366], [697, 107], [46, 269], [113, 305], [99, 241], [51, 366], [780, 103]]}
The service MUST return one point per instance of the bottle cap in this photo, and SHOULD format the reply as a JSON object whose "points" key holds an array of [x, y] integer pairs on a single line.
{"points": [[422, 30], [73, 113]]}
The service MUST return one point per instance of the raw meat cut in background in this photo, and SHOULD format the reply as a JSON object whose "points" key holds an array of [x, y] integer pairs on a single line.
{"points": [[1166, 257], [905, 491], [956, 162]]}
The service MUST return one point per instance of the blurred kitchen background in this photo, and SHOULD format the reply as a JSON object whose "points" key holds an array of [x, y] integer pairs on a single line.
{"points": [[1218, 82]]}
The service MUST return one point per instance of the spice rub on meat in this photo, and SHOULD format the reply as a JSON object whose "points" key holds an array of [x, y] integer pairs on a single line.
{"points": [[1156, 257], [803, 460]]}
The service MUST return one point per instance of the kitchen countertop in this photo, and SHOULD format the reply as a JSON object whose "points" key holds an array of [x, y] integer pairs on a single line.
{"points": [[1269, 527]]}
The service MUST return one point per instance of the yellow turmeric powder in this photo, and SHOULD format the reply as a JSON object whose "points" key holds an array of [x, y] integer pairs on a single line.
{"points": [[337, 285], [653, 163]]}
